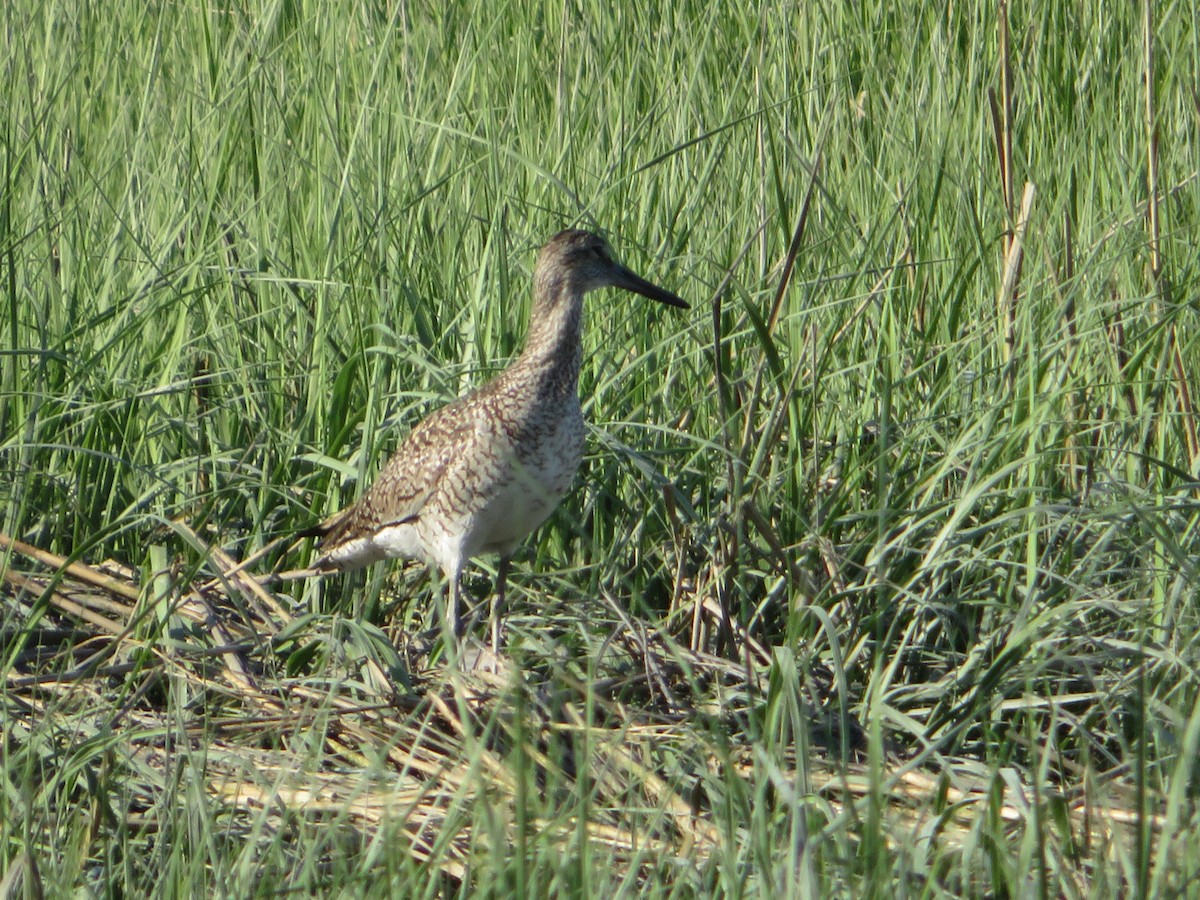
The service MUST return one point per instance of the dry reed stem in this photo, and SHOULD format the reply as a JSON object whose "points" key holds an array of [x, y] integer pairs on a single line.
{"points": [[1009, 284]]}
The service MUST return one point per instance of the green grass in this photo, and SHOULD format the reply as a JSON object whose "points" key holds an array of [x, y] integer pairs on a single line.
{"points": [[242, 250]]}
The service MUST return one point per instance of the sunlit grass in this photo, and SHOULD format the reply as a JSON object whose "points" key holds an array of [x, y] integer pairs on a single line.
{"points": [[243, 250]]}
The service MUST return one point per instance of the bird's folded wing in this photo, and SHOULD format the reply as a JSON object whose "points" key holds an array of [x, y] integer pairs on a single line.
{"points": [[405, 484]]}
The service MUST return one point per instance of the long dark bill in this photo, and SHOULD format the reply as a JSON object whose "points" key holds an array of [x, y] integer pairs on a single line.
{"points": [[630, 282]]}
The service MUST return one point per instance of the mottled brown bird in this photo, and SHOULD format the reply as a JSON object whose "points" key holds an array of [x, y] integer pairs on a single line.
{"points": [[480, 474]]}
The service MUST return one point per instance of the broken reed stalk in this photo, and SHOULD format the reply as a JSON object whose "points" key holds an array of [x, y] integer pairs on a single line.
{"points": [[1009, 282], [1002, 126]]}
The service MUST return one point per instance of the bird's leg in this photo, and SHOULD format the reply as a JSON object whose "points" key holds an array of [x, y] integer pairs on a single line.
{"points": [[498, 601], [454, 612]]}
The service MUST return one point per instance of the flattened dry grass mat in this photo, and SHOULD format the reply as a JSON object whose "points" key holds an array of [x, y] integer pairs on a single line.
{"points": [[136, 699]]}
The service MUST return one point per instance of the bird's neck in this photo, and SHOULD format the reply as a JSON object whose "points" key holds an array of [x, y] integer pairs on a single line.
{"points": [[554, 340]]}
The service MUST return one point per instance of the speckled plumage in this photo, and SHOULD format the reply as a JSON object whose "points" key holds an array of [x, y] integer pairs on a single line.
{"points": [[480, 474]]}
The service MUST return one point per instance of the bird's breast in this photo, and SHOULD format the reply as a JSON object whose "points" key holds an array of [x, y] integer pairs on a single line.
{"points": [[533, 459]]}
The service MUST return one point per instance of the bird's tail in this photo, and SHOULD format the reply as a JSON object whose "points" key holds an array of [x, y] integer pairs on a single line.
{"points": [[326, 533]]}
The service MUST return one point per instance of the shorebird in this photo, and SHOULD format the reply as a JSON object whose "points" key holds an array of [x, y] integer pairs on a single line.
{"points": [[479, 475]]}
